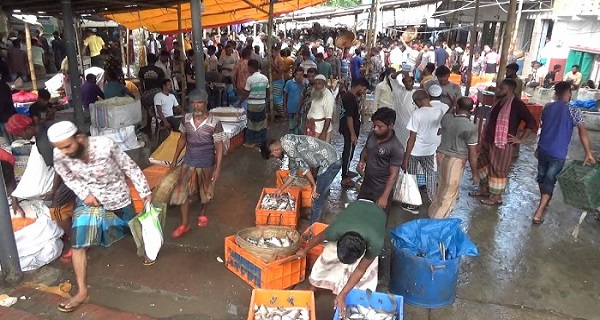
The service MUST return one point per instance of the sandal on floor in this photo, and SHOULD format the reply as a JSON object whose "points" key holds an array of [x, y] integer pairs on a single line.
{"points": [[180, 231], [70, 306], [538, 222], [476, 194], [202, 221], [149, 262], [490, 202]]}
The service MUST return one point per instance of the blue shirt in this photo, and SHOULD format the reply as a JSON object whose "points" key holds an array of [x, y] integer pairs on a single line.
{"points": [[345, 68], [441, 56], [558, 120], [294, 94], [116, 89], [355, 65]]}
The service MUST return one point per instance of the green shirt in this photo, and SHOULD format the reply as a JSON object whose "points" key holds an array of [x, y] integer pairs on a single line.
{"points": [[324, 68], [365, 218], [458, 133]]}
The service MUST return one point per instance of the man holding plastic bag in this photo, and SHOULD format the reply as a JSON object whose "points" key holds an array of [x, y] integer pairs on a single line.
{"points": [[95, 169], [39, 179]]}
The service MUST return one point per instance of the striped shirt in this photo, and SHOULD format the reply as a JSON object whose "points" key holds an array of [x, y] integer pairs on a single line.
{"points": [[257, 85], [200, 146]]}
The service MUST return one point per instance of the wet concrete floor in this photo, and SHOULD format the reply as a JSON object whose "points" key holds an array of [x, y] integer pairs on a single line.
{"points": [[524, 271]]}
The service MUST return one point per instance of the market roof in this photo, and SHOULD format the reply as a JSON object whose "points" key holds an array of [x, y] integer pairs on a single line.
{"points": [[53, 8]]}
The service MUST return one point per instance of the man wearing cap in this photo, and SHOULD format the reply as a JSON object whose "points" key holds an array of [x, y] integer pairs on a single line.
{"points": [[63, 198], [435, 92], [95, 44], [321, 110], [202, 137], [95, 169]]}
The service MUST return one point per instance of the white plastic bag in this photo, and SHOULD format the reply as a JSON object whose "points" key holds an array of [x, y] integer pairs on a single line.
{"points": [[37, 179], [409, 191], [151, 231]]}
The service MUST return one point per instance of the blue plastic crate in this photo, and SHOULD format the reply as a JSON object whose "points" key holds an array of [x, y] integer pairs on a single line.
{"points": [[22, 110], [376, 301]]}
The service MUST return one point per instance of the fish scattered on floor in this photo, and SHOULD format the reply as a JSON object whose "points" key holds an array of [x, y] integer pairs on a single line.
{"points": [[263, 313], [286, 202], [272, 242], [358, 312]]}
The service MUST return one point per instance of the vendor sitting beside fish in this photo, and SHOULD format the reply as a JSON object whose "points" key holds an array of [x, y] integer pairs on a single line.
{"points": [[349, 259]]}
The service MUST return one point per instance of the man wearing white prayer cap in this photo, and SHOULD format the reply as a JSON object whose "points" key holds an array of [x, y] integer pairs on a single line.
{"points": [[95, 169]]}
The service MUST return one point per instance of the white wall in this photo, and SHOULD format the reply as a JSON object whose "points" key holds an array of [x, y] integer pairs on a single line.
{"points": [[585, 33]]}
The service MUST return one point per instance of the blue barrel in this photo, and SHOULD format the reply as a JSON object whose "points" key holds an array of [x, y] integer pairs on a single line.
{"points": [[424, 283]]}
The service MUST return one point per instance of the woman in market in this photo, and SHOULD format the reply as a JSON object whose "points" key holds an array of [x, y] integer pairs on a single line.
{"points": [[349, 258]]}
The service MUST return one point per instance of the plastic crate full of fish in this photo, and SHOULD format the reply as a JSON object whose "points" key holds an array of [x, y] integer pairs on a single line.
{"points": [[283, 210], [367, 305], [299, 182], [279, 274], [314, 253], [282, 304]]}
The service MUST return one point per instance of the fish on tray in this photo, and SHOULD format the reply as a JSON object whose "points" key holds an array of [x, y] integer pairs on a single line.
{"points": [[286, 202], [272, 242], [358, 312], [263, 313]]}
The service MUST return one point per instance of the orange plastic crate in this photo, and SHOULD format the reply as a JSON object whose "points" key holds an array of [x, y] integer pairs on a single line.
{"points": [[138, 203], [236, 141], [536, 111], [280, 274], [314, 253], [305, 192], [283, 299], [154, 173], [275, 217]]}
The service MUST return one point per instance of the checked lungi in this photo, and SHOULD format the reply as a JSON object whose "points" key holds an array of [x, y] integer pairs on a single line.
{"points": [[94, 226], [493, 165]]}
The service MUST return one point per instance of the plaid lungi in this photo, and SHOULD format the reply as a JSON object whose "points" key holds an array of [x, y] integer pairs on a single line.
{"points": [[193, 181], [493, 166], [94, 226]]}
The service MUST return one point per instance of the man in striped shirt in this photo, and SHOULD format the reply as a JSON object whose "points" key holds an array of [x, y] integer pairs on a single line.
{"points": [[202, 137]]}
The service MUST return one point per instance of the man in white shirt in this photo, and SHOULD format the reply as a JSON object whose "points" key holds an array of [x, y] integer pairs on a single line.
{"points": [[403, 103], [227, 61], [435, 92], [423, 141], [321, 110], [166, 105], [164, 64], [396, 57], [153, 45]]}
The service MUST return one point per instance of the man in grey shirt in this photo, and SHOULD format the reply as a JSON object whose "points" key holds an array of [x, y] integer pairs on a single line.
{"points": [[336, 63], [459, 143], [450, 91]]}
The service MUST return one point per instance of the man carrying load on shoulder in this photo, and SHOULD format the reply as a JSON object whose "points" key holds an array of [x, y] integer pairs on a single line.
{"points": [[349, 259]]}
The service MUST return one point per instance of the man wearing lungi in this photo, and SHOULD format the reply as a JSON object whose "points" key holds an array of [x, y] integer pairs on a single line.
{"points": [[321, 110], [95, 169], [202, 137], [62, 198], [349, 259], [497, 140], [306, 153], [256, 94]]}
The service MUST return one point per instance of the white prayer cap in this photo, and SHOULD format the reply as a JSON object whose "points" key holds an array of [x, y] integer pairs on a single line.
{"points": [[61, 131], [435, 90], [320, 77]]}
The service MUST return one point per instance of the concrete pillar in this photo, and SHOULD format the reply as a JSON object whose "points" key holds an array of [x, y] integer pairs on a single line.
{"points": [[70, 43], [534, 48], [9, 257], [197, 44]]}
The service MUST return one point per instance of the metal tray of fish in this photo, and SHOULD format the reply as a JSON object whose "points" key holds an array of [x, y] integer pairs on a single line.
{"points": [[358, 312], [263, 313], [285, 202]]}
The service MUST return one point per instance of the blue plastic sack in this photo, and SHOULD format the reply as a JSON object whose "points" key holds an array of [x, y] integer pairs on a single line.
{"points": [[422, 237], [585, 104]]}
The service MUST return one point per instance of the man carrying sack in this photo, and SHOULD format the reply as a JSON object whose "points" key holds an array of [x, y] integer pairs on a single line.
{"points": [[349, 259], [94, 168]]}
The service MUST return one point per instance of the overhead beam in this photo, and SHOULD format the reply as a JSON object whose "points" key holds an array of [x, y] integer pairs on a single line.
{"points": [[255, 7]]}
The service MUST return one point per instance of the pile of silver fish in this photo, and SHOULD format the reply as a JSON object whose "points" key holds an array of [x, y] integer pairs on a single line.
{"points": [[272, 242], [263, 313], [358, 312], [285, 202]]}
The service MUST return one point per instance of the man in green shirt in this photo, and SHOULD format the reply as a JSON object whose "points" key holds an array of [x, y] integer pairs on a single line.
{"points": [[349, 259], [324, 67]]}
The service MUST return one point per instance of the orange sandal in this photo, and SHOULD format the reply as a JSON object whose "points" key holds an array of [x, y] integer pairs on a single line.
{"points": [[202, 221], [180, 231]]}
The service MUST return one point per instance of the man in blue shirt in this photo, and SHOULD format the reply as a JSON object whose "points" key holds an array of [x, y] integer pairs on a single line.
{"points": [[558, 120], [90, 91], [356, 64], [441, 56], [292, 95]]}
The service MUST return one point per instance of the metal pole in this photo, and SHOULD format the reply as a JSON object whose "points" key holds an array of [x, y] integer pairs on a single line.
{"points": [[128, 54], [9, 256], [121, 38], [472, 44], [197, 44], [30, 57], [70, 44], [181, 55], [268, 52], [519, 13], [508, 30], [79, 52]]}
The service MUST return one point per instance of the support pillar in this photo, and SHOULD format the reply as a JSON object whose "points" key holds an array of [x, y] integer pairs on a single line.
{"points": [[9, 256], [473, 43], [508, 30], [181, 58], [197, 44], [74, 78]]}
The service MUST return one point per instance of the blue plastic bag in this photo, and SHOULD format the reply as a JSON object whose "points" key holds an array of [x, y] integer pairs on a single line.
{"points": [[585, 104], [422, 237]]}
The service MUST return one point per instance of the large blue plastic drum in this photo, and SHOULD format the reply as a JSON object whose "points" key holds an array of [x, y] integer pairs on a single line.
{"points": [[424, 283]]}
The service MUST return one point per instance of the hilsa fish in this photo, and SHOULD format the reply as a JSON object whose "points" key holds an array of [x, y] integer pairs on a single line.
{"points": [[358, 312], [263, 313]]}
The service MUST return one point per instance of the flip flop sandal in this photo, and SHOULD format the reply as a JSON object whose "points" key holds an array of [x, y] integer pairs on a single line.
{"points": [[148, 263], [477, 194], [202, 221], [71, 305], [537, 222], [489, 202], [68, 254], [180, 231], [65, 260]]}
